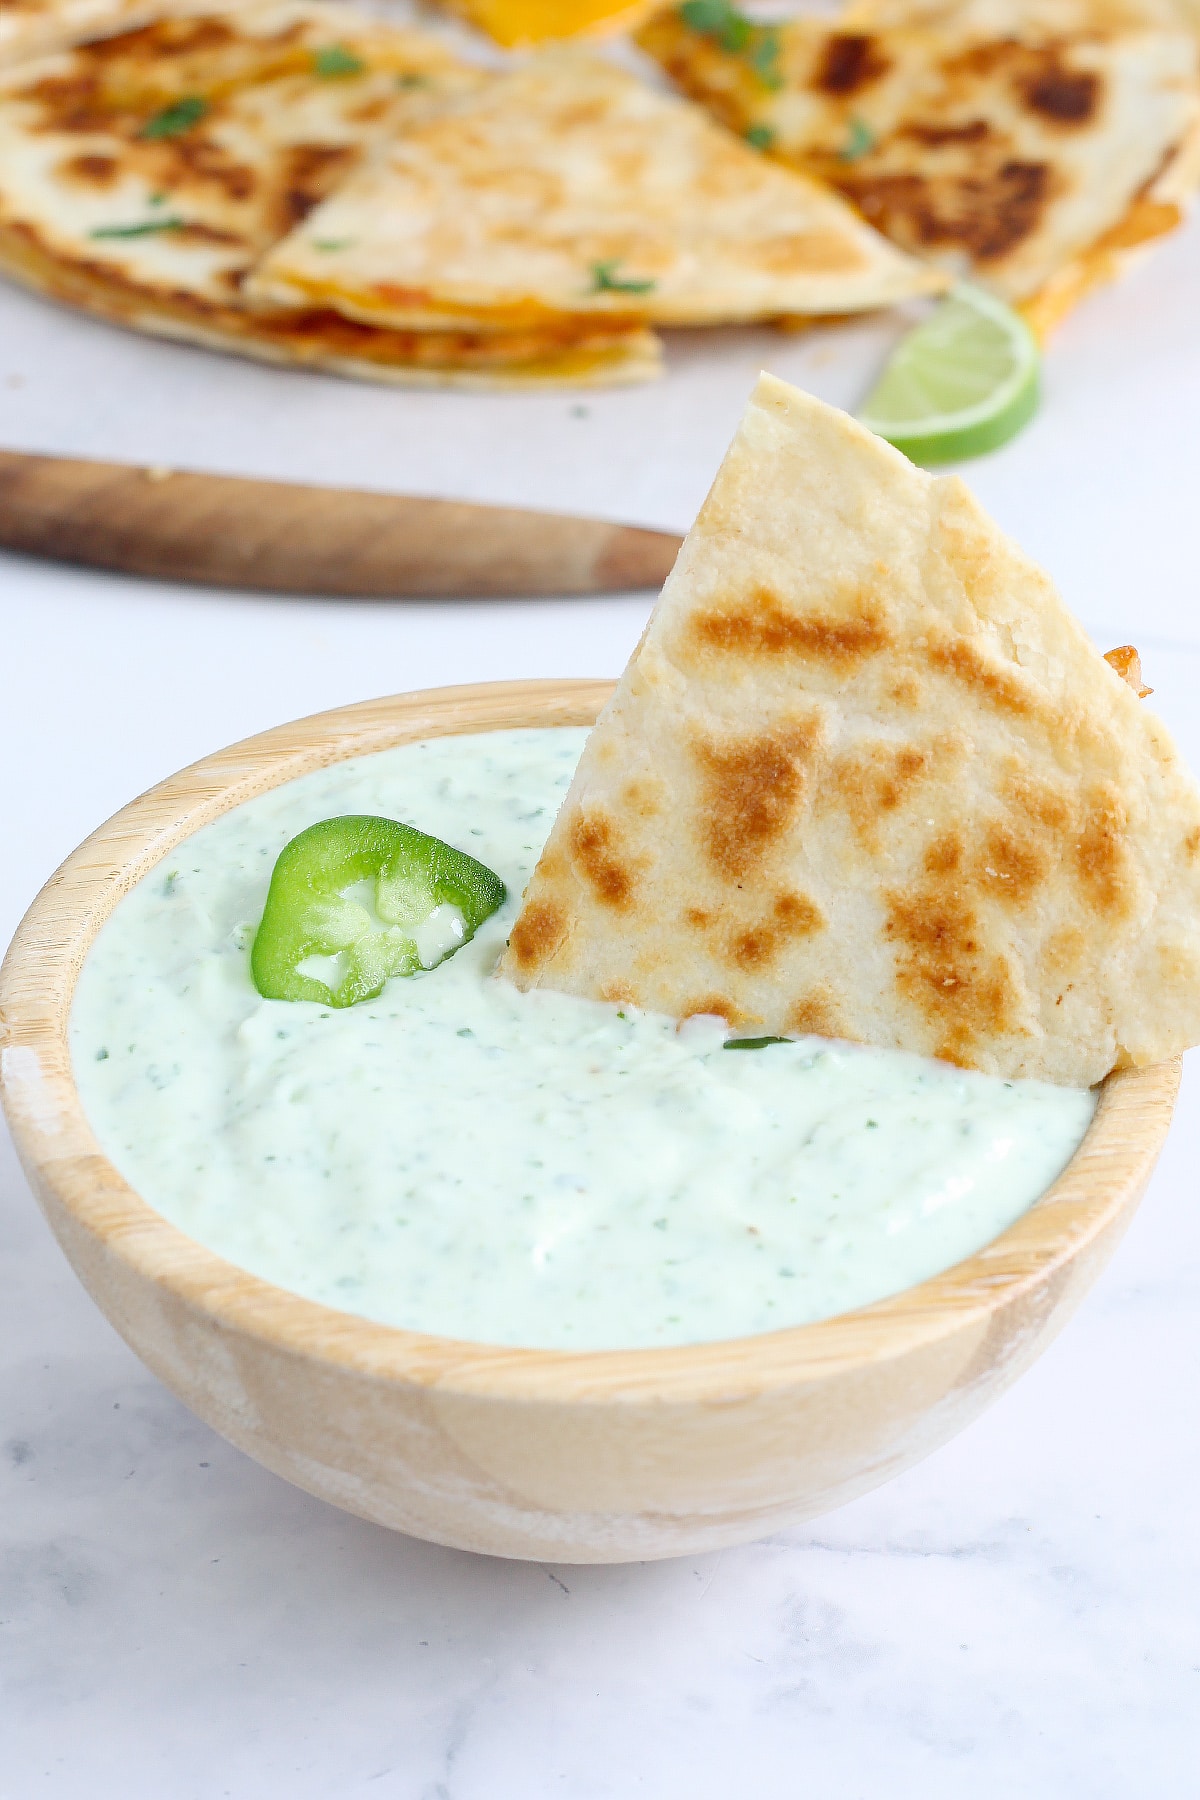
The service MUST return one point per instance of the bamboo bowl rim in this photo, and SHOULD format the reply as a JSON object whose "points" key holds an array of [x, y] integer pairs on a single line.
{"points": [[58, 1147]]}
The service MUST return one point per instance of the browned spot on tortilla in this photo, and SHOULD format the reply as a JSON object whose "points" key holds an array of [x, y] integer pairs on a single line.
{"points": [[792, 916], [876, 779], [89, 171], [312, 172], [752, 791], [642, 797], [987, 212], [962, 990], [697, 918], [758, 624], [368, 112], [906, 691], [849, 61], [1064, 96], [195, 232], [944, 855], [1191, 843], [68, 103], [1037, 800], [815, 1013], [537, 934], [1101, 859], [1011, 864], [796, 915], [990, 680], [934, 137], [200, 158], [167, 37], [619, 992], [594, 848]]}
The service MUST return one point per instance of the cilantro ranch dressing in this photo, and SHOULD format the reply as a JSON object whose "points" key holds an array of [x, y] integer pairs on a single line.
{"points": [[460, 1158]]}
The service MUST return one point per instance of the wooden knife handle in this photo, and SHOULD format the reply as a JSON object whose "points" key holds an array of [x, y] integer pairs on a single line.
{"points": [[284, 538]]}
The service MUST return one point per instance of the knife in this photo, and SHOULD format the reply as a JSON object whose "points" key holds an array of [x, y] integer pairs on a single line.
{"points": [[282, 537]]}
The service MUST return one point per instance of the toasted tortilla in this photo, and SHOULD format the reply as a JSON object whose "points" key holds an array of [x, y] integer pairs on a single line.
{"points": [[144, 176], [866, 777], [174, 156], [1006, 158], [569, 190]]}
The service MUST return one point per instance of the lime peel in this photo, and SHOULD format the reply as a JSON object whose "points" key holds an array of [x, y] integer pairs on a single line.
{"points": [[962, 382]]}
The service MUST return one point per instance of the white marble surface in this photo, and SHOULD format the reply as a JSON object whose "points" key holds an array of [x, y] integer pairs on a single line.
{"points": [[1020, 1615]]}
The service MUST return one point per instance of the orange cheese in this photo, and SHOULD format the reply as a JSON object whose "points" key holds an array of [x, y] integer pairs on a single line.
{"points": [[513, 22]]}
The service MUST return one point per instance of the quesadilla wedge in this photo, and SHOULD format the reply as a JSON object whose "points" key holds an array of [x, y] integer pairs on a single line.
{"points": [[144, 176], [866, 777], [567, 190], [1007, 158]]}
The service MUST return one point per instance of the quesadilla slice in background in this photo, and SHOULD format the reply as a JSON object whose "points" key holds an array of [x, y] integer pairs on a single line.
{"points": [[144, 176], [567, 192], [866, 777], [1009, 158]]}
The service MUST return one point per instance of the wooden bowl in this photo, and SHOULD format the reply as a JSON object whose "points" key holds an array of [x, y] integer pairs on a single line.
{"points": [[566, 1456]]}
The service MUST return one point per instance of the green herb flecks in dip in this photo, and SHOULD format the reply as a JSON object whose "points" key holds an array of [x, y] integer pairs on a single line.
{"points": [[457, 1157]]}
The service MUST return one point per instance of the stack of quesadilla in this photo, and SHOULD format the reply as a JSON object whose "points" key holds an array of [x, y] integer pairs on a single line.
{"points": [[865, 777], [1032, 157], [301, 184], [568, 194], [142, 177]]}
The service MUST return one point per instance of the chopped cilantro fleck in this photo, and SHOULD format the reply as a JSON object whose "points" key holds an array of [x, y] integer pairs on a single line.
{"points": [[760, 137], [718, 19], [145, 229], [331, 243], [605, 280], [759, 1043], [412, 81], [763, 57], [758, 45], [861, 139], [177, 118], [102, 1056], [335, 61]]}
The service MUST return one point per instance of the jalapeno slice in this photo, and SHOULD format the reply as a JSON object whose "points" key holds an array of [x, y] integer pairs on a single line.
{"points": [[389, 926]]}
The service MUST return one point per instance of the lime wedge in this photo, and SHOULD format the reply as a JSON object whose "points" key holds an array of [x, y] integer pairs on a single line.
{"points": [[963, 381]]}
